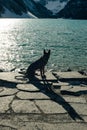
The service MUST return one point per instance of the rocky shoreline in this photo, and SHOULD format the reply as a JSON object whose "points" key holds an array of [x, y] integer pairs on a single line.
{"points": [[58, 102]]}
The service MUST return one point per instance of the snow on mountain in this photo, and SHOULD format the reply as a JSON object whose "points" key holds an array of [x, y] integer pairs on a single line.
{"points": [[55, 6]]}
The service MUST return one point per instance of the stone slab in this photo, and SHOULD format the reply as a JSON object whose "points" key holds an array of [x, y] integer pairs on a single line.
{"points": [[63, 83], [2, 127], [29, 95], [15, 119], [81, 109], [55, 88], [50, 107], [8, 91], [49, 77], [73, 90], [18, 120], [71, 74], [23, 106], [12, 77], [72, 99], [50, 126], [35, 125], [67, 87], [27, 87], [78, 89], [1, 89], [85, 118], [45, 126], [9, 122], [4, 103]]}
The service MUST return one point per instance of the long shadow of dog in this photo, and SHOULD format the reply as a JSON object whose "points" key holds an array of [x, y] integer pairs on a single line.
{"points": [[45, 88]]}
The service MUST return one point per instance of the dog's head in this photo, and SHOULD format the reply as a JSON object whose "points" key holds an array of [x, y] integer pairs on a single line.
{"points": [[47, 52]]}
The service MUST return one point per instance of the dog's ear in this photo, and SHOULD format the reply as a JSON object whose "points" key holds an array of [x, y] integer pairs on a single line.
{"points": [[44, 51], [49, 51]]}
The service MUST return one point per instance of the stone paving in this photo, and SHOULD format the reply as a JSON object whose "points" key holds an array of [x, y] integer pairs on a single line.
{"points": [[57, 102]]}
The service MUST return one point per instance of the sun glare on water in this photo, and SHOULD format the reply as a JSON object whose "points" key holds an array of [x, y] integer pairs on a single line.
{"points": [[6, 24], [7, 40]]}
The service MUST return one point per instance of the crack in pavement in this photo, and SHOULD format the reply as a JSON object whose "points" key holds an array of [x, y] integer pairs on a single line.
{"points": [[10, 104], [38, 107]]}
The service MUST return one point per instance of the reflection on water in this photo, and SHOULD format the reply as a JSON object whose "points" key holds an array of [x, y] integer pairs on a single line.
{"points": [[7, 43], [23, 40]]}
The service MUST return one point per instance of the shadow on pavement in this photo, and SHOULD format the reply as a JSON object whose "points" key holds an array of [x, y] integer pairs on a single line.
{"points": [[45, 88]]}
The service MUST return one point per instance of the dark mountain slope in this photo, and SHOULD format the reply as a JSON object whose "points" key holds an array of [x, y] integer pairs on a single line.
{"points": [[75, 9]]}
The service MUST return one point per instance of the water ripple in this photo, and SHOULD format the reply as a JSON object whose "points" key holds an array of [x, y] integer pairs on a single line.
{"points": [[23, 41]]}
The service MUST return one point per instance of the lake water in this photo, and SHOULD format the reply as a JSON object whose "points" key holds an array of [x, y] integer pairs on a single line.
{"points": [[22, 41]]}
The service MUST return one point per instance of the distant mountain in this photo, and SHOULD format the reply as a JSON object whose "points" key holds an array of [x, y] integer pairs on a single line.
{"points": [[23, 8], [75, 9]]}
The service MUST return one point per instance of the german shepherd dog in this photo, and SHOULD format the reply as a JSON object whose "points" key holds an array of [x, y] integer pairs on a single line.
{"points": [[38, 65]]}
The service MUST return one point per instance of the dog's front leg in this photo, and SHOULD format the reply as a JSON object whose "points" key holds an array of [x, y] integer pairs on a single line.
{"points": [[41, 73]]}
